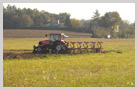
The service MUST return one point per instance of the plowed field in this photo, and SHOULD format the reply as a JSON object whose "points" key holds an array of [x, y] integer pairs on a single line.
{"points": [[16, 54], [27, 33]]}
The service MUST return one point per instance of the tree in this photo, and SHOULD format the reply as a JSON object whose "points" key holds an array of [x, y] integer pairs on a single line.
{"points": [[10, 17], [75, 23], [111, 20], [95, 18], [62, 17], [94, 24], [67, 21], [96, 15], [85, 25], [26, 21], [127, 30]]}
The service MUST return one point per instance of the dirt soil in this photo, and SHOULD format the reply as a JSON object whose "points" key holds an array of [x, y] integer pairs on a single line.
{"points": [[15, 54]]}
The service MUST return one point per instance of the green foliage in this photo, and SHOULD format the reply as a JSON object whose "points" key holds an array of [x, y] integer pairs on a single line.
{"points": [[67, 22], [110, 20], [95, 20], [33, 19], [107, 24], [102, 26], [26, 21], [96, 15], [128, 32], [62, 17], [100, 32], [75, 23], [17, 18]]}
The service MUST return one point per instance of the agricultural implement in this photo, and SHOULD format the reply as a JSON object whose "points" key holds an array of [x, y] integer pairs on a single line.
{"points": [[57, 45]]}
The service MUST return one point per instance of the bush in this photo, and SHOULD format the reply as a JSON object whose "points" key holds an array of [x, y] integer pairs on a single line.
{"points": [[100, 32]]}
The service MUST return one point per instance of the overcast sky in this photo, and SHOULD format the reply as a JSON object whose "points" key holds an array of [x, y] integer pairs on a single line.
{"points": [[83, 10]]}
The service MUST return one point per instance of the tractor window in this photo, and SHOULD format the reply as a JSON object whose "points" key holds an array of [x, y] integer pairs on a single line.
{"points": [[55, 37]]}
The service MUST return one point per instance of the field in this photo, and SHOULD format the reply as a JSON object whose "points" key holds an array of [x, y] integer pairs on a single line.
{"points": [[115, 68], [27, 33]]}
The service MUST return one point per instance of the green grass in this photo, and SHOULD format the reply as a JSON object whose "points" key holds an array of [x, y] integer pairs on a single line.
{"points": [[20, 43], [85, 70], [108, 44]]}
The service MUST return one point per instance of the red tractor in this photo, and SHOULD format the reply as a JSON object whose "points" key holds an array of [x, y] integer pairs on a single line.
{"points": [[55, 45]]}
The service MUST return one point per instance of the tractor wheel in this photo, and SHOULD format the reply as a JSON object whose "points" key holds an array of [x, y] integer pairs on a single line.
{"points": [[46, 49], [39, 50], [59, 48]]}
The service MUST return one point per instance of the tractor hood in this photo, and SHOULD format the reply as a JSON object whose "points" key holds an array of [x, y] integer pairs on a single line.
{"points": [[44, 42]]}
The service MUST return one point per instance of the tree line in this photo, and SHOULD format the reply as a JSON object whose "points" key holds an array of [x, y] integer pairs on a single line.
{"points": [[99, 26]]}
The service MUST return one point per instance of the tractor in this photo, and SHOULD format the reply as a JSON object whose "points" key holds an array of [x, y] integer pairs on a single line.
{"points": [[58, 45]]}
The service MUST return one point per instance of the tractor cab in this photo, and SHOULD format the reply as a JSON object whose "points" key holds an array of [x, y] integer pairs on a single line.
{"points": [[57, 37]]}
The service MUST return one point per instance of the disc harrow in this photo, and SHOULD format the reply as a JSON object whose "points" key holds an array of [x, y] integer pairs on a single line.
{"points": [[85, 47]]}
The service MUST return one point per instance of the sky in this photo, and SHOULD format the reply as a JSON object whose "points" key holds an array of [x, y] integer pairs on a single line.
{"points": [[83, 10]]}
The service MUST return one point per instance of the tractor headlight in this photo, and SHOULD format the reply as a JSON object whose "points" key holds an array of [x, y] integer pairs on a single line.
{"points": [[40, 43]]}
